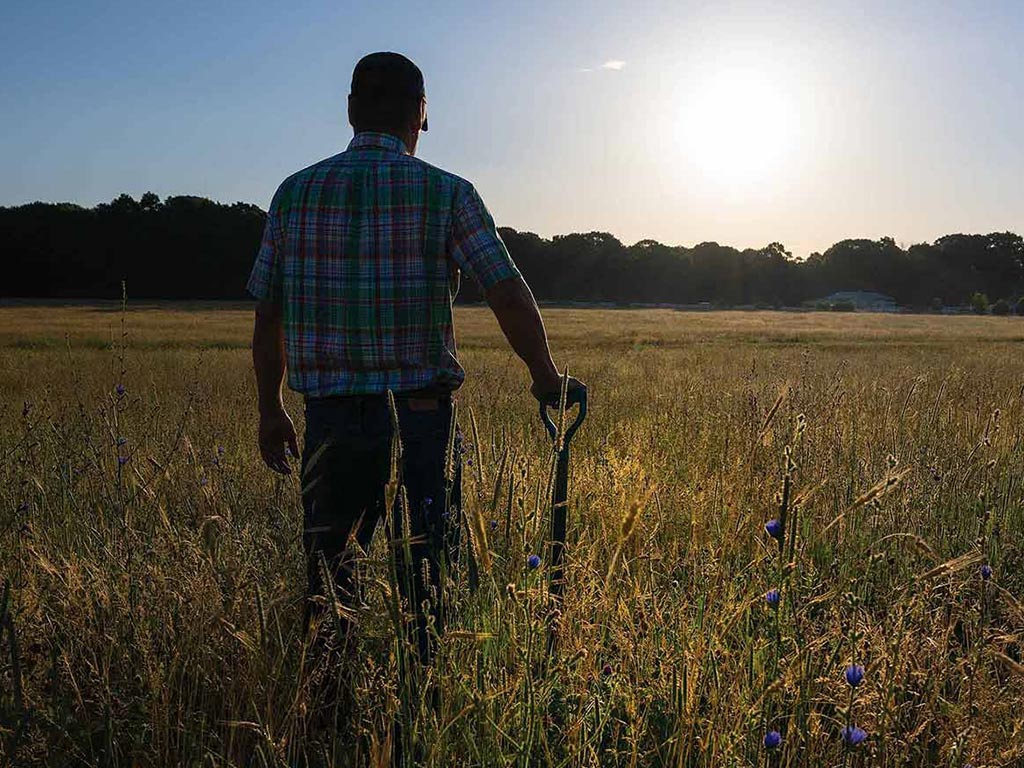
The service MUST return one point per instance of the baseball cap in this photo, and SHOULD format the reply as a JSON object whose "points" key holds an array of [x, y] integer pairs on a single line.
{"points": [[386, 76]]}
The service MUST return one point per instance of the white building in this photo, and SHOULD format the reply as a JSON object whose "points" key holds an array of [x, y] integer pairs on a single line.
{"points": [[864, 301]]}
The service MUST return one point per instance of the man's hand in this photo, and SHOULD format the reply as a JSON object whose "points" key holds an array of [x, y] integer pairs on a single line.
{"points": [[549, 391], [276, 434]]}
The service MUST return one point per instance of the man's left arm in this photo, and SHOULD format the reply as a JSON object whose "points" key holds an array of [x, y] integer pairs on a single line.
{"points": [[268, 352], [276, 429]]}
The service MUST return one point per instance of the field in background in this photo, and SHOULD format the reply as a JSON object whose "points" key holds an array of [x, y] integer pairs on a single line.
{"points": [[155, 566]]}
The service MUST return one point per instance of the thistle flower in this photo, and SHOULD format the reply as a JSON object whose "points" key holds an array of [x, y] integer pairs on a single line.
{"points": [[772, 597], [854, 674], [772, 739], [986, 572], [774, 529], [533, 561], [853, 736]]}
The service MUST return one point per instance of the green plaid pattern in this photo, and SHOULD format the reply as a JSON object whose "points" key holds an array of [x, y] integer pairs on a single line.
{"points": [[363, 251]]}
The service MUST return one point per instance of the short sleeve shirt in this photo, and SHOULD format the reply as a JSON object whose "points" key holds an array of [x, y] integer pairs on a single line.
{"points": [[363, 251]]}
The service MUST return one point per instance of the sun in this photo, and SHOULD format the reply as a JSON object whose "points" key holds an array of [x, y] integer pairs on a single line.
{"points": [[740, 127]]}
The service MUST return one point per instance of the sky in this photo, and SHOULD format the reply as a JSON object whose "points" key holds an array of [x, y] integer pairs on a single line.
{"points": [[738, 122]]}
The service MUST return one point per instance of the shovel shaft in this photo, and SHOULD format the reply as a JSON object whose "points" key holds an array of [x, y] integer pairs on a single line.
{"points": [[560, 511], [559, 522]]}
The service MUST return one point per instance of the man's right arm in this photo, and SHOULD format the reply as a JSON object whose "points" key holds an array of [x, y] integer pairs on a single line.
{"points": [[519, 317], [477, 249]]}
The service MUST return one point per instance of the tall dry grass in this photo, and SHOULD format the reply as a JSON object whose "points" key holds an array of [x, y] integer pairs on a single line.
{"points": [[153, 615]]}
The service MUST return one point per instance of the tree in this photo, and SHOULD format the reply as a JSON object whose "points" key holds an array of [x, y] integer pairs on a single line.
{"points": [[1001, 308], [150, 201], [979, 303], [190, 247], [124, 204]]}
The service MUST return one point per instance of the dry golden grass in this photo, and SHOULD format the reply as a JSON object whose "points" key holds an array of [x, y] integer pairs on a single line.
{"points": [[155, 606]]}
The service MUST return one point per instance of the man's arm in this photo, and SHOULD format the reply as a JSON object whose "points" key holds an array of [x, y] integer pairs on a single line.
{"points": [[519, 317], [476, 247], [276, 429]]}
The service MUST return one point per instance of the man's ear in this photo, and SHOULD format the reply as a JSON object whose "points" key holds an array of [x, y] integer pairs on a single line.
{"points": [[416, 119], [351, 111]]}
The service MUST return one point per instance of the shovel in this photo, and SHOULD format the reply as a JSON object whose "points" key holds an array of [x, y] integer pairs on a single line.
{"points": [[559, 511]]}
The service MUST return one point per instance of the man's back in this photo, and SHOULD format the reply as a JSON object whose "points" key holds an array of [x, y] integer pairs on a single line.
{"points": [[362, 251]]}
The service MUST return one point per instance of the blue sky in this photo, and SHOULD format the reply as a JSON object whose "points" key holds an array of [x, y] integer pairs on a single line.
{"points": [[738, 122]]}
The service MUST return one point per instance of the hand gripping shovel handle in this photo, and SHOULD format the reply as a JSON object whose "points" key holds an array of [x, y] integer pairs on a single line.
{"points": [[559, 511], [578, 397]]}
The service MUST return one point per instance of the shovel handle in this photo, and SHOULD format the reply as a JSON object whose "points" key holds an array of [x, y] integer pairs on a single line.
{"points": [[579, 397]]}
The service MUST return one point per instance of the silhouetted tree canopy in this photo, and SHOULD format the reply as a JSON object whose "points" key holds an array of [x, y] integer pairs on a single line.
{"points": [[189, 247]]}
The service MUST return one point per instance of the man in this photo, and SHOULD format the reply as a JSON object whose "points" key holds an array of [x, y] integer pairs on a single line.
{"points": [[355, 278]]}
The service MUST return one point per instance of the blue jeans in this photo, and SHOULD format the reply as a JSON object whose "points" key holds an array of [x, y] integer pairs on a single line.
{"points": [[345, 468]]}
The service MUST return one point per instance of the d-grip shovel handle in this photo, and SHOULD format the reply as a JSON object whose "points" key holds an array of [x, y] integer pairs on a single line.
{"points": [[577, 397]]}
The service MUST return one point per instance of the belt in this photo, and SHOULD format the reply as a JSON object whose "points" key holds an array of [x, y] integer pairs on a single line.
{"points": [[427, 399]]}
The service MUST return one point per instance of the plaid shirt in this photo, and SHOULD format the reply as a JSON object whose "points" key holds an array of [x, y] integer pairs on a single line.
{"points": [[363, 251]]}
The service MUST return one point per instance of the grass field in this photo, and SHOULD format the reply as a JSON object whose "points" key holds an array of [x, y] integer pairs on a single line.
{"points": [[153, 569]]}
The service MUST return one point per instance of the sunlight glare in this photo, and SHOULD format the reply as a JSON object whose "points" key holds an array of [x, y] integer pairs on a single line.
{"points": [[739, 127]]}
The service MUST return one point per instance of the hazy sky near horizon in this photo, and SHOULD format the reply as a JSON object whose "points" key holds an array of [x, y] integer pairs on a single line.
{"points": [[740, 122]]}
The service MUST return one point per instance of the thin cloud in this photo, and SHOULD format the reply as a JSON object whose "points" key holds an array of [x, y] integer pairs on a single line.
{"points": [[615, 65]]}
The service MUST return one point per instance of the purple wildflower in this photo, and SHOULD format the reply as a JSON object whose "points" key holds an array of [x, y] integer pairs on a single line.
{"points": [[772, 739], [854, 674], [533, 561], [606, 670], [853, 736], [120, 390], [774, 529], [122, 460], [986, 572], [494, 525], [772, 597]]}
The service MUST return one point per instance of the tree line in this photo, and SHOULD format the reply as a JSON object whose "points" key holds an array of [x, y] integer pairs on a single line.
{"points": [[187, 247]]}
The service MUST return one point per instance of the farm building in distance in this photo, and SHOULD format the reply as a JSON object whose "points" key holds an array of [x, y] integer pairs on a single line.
{"points": [[863, 301]]}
